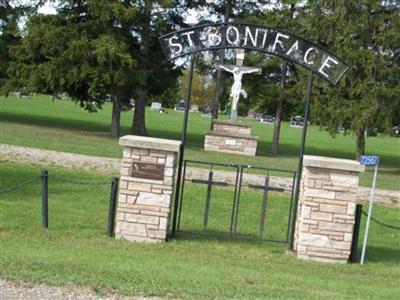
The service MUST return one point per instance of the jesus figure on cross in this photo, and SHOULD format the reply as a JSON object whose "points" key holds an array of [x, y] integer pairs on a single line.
{"points": [[237, 89]]}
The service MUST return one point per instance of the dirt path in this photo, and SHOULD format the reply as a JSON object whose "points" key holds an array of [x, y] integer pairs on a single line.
{"points": [[29, 155], [25, 291], [111, 165]]}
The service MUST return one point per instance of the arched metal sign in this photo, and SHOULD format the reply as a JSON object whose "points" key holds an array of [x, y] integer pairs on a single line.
{"points": [[257, 38], [234, 35]]}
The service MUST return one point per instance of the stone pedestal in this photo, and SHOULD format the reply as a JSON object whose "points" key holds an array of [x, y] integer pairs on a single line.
{"points": [[145, 189], [326, 210], [231, 138]]}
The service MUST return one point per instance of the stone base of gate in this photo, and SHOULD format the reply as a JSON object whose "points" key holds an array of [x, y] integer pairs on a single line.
{"points": [[326, 210], [145, 189]]}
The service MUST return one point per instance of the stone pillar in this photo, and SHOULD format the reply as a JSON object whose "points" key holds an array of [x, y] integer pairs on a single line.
{"points": [[326, 210], [145, 188]]}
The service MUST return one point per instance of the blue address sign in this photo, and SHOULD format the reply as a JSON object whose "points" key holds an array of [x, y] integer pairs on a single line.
{"points": [[369, 160]]}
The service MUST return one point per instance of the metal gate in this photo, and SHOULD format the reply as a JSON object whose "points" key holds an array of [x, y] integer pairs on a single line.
{"points": [[235, 200]]}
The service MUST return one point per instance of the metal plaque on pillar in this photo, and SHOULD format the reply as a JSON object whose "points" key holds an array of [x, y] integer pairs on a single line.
{"points": [[147, 171]]}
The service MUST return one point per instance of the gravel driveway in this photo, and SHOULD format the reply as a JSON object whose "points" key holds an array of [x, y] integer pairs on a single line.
{"points": [[25, 291]]}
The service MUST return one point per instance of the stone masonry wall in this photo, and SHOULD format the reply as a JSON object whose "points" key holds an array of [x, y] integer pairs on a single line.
{"points": [[240, 129], [326, 210], [230, 144], [144, 204]]}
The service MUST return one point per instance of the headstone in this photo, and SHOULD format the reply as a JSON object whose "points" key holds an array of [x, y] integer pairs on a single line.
{"points": [[326, 210], [254, 115], [145, 189], [181, 106], [297, 122], [207, 112], [341, 129], [194, 108], [23, 93], [156, 106], [267, 119], [396, 131]]}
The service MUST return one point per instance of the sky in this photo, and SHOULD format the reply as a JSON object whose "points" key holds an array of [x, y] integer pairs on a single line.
{"points": [[49, 8]]}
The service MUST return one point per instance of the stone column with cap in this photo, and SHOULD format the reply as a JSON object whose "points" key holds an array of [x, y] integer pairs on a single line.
{"points": [[326, 210], [145, 188]]}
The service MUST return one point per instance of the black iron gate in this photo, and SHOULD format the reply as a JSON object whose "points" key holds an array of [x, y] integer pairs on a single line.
{"points": [[235, 200]]}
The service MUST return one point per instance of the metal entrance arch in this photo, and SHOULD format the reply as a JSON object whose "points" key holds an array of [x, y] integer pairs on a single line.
{"points": [[232, 35]]}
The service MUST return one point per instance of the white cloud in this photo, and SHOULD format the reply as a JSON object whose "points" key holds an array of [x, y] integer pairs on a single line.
{"points": [[48, 8]]}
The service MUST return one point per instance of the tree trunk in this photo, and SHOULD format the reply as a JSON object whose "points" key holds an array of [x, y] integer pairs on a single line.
{"points": [[138, 124], [220, 75], [116, 117], [360, 142], [217, 89], [278, 113], [139, 117]]}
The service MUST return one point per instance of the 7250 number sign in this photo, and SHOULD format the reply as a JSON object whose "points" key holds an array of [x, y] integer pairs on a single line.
{"points": [[369, 160]]}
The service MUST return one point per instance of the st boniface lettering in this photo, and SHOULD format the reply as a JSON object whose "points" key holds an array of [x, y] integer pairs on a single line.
{"points": [[326, 64], [249, 35], [257, 38], [214, 39], [279, 41], [306, 56], [229, 33]]}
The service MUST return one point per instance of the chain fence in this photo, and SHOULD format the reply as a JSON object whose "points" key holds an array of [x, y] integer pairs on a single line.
{"points": [[56, 178], [45, 177], [76, 181], [114, 184], [381, 223], [20, 185]]}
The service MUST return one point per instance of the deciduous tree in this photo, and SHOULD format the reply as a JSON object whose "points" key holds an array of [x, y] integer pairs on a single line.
{"points": [[203, 88]]}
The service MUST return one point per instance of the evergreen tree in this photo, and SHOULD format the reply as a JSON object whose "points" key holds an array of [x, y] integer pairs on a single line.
{"points": [[156, 18], [10, 13], [366, 34], [98, 49], [84, 50]]}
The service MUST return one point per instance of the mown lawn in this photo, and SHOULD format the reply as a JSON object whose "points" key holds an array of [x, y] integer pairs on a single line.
{"points": [[75, 251], [64, 126]]}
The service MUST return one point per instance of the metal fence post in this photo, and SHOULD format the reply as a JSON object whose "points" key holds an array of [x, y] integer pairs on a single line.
{"points": [[182, 148], [208, 199], [356, 233], [371, 202], [111, 210], [45, 192], [300, 165]]}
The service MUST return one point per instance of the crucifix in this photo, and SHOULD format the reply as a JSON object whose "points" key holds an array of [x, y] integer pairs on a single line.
{"points": [[238, 70]]}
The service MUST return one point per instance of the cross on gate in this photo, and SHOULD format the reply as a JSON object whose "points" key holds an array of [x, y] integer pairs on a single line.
{"points": [[264, 203], [209, 183]]}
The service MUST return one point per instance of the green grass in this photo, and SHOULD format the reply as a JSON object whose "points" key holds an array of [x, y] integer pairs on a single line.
{"points": [[220, 212], [63, 126], [75, 250]]}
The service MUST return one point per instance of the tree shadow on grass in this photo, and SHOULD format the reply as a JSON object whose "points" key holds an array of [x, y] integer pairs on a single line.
{"points": [[195, 141], [222, 237], [54, 122], [378, 254]]}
